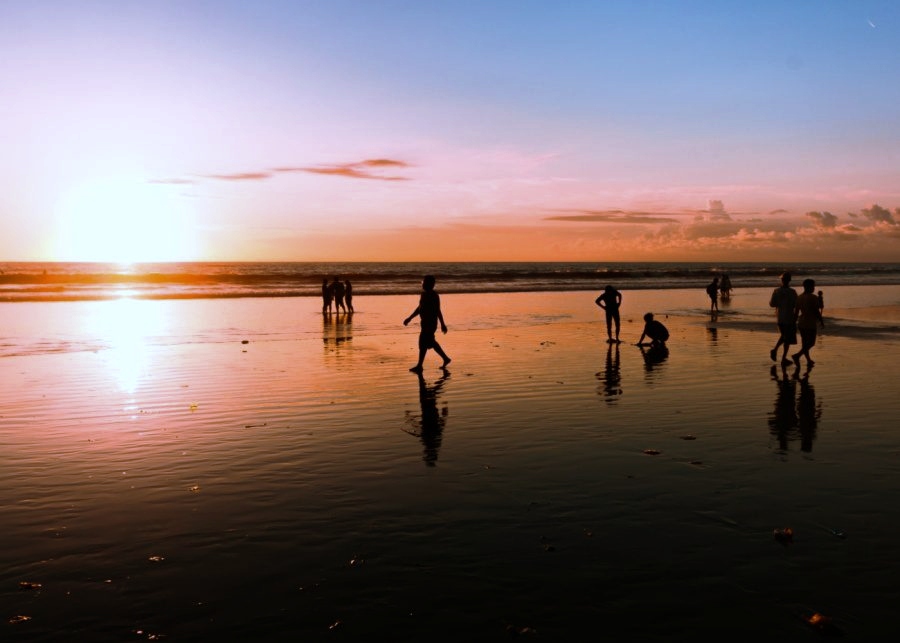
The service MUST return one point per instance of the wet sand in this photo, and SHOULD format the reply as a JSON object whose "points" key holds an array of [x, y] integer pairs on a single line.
{"points": [[158, 477]]}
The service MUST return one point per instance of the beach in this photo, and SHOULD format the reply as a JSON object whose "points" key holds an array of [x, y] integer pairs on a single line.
{"points": [[249, 469]]}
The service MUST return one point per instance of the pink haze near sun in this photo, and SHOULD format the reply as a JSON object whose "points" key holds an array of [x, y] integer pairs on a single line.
{"points": [[449, 131]]}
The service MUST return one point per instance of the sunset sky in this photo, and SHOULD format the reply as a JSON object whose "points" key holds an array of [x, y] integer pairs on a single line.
{"points": [[458, 130]]}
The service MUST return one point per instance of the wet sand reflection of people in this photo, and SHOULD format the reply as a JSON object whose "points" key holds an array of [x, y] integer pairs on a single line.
{"points": [[792, 414], [429, 426], [336, 330], [610, 377]]}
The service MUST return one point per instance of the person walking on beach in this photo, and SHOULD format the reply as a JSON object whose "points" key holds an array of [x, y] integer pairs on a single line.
{"points": [[327, 295], [713, 291], [348, 295], [784, 301], [429, 311], [610, 300], [338, 287], [655, 330], [806, 315]]}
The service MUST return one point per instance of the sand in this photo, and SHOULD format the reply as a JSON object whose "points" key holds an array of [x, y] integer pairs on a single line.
{"points": [[159, 477]]}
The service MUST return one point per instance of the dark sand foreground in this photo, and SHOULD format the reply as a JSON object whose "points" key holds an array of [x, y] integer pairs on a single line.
{"points": [[158, 477]]}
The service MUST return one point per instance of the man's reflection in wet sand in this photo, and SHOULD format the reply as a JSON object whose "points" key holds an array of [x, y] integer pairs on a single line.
{"points": [[794, 415], [429, 426], [610, 377]]}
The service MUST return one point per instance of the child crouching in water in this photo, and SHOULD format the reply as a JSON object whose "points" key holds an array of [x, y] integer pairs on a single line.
{"points": [[653, 329]]}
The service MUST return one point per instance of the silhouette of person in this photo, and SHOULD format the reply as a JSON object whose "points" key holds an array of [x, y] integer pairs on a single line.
{"points": [[610, 300], [713, 291], [610, 377], [784, 301], [327, 296], [348, 295], [432, 421], [429, 311], [725, 287], [806, 315], [338, 287], [655, 330]]}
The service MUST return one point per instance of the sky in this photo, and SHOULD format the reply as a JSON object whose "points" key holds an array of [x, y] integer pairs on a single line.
{"points": [[507, 130]]}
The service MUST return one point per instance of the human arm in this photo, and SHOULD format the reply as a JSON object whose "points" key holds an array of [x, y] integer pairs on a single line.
{"points": [[412, 315], [440, 315]]}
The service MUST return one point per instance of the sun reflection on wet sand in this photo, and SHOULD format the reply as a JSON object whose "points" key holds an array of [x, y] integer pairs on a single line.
{"points": [[128, 326]]}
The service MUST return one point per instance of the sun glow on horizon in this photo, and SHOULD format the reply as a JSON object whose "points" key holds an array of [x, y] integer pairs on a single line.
{"points": [[123, 221]]}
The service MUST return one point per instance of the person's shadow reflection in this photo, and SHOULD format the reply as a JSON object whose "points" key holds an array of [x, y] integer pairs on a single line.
{"points": [[336, 330], [794, 414], [809, 413], [654, 356], [783, 420], [429, 426], [610, 377]]}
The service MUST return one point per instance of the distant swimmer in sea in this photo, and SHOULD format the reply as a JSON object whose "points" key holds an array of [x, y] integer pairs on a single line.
{"points": [[807, 318], [348, 295], [655, 330], [713, 291], [610, 300], [429, 311], [338, 287], [784, 301], [327, 296]]}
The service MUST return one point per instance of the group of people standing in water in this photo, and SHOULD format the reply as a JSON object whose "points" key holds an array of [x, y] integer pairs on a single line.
{"points": [[339, 293]]}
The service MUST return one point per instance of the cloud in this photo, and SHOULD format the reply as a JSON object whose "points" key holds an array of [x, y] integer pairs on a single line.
{"points": [[242, 176], [613, 216], [876, 213], [715, 211], [367, 169], [172, 181], [823, 219]]}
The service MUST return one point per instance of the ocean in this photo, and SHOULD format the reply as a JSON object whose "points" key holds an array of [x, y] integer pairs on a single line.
{"points": [[56, 281]]}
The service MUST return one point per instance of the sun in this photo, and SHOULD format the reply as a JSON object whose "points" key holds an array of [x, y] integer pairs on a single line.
{"points": [[123, 221]]}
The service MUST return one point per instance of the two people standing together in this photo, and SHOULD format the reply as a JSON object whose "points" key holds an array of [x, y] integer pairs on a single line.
{"points": [[796, 312]]}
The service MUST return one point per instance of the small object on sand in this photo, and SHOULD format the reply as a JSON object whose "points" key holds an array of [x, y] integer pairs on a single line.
{"points": [[21, 618], [195, 488], [820, 623], [245, 341], [514, 630], [194, 406], [156, 559], [784, 536], [334, 625], [28, 585], [651, 452], [688, 437]]}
